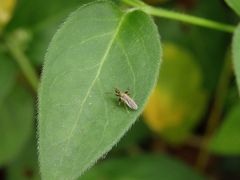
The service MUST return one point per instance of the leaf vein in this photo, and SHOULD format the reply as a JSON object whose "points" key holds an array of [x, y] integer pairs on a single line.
{"points": [[102, 61], [79, 44], [129, 64]]}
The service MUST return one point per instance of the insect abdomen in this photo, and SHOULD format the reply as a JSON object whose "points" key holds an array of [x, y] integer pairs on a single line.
{"points": [[129, 102]]}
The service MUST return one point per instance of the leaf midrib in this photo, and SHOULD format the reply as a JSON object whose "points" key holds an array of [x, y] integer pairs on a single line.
{"points": [[103, 59]]}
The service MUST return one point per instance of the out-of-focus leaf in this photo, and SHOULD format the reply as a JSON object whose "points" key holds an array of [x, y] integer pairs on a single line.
{"points": [[40, 41], [30, 13], [235, 5], [226, 140], [16, 122], [26, 164], [98, 48], [6, 9], [236, 55], [145, 167], [178, 101], [210, 46], [134, 135], [7, 76], [45, 19]]}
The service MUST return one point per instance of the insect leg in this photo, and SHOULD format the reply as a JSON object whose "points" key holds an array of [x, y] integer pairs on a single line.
{"points": [[127, 92], [119, 101]]}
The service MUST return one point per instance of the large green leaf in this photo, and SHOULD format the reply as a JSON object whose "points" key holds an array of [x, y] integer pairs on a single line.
{"points": [[236, 54], [16, 120], [235, 5], [145, 167], [226, 140], [98, 48]]}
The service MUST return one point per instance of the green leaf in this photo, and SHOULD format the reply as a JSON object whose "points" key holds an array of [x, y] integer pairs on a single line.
{"points": [[236, 55], [235, 5], [16, 122], [226, 140], [98, 48], [7, 76], [145, 167]]}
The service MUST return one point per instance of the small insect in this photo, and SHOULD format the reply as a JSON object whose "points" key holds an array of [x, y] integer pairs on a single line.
{"points": [[125, 98]]}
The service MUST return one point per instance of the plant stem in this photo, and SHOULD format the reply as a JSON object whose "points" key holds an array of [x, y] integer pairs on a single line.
{"points": [[24, 63], [180, 17], [215, 114]]}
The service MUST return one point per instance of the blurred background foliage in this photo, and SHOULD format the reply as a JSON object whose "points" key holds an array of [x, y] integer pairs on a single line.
{"points": [[170, 111], [190, 126]]}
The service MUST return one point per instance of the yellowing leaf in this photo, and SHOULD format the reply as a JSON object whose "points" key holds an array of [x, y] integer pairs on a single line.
{"points": [[177, 103], [160, 112]]}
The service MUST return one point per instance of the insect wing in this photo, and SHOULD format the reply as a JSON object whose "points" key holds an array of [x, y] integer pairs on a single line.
{"points": [[129, 101]]}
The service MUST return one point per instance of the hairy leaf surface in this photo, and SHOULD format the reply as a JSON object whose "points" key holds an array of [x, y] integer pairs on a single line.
{"points": [[98, 48]]}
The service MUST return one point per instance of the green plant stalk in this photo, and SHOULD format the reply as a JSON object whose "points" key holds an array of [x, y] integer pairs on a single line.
{"points": [[180, 17], [24, 63]]}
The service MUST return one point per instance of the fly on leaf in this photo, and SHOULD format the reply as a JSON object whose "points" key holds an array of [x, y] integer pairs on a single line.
{"points": [[126, 99]]}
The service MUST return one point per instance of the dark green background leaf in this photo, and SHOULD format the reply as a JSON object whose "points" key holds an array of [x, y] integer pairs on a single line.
{"points": [[134, 136], [145, 167], [16, 123], [98, 48], [226, 140], [25, 166], [32, 13], [7, 76], [41, 18]]}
